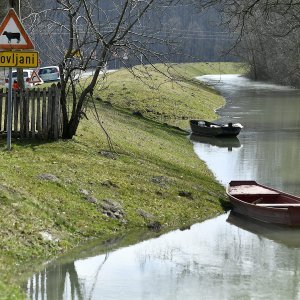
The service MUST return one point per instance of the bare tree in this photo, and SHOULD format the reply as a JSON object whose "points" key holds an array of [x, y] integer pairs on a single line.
{"points": [[266, 35], [81, 34]]}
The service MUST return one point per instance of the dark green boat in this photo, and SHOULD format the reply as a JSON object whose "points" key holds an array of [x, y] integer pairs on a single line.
{"points": [[206, 128]]}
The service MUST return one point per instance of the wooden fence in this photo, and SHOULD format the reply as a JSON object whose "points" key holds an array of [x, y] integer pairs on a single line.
{"points": [[36, 113]]}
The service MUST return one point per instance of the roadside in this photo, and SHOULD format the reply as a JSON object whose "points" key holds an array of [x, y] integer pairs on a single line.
{"points": [[55, 196]]}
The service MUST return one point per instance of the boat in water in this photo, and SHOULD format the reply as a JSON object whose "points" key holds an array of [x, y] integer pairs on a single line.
{"points": [[205, 128], [264, 203]]}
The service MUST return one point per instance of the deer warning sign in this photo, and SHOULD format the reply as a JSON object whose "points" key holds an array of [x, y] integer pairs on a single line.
{"points": [[13, 34]]}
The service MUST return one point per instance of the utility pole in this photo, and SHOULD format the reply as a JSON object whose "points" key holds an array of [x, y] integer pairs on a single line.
{"points": [[14, 4]]}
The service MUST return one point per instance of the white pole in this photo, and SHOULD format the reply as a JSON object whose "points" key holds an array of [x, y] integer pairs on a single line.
{"points": [[9, 110]]}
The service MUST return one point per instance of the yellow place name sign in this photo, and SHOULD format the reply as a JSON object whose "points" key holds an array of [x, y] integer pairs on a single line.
{"points": [[20, 59]]}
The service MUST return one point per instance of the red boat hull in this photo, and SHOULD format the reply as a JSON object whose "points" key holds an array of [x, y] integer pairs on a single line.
{"points": [[263, 203]]}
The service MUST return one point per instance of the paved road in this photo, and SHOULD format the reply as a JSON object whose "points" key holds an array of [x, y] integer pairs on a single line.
{"points": [[90, 72]]}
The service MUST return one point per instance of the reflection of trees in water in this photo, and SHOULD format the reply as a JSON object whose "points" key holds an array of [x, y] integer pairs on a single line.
{"points": [[96, 275], [54, 281], [235, 262]]}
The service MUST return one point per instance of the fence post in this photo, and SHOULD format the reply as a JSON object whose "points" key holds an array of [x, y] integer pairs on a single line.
{"points": [[32, 113], [22, 115], [49, 113], [55, 113], [16, 111], [59, 111], [38, 112], [1, 102], [44, 115], [26, 106], [5, 111]]}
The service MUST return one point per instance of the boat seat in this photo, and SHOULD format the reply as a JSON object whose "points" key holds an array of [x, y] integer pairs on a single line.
{"points": [[278, 204]]}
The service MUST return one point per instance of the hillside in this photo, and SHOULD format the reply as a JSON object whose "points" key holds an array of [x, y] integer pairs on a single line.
{"points": [[57, 195]]}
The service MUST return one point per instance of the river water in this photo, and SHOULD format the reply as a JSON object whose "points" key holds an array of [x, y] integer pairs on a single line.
{"points": [[227, 257]]}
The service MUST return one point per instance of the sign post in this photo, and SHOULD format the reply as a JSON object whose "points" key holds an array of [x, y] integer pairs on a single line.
{"points": [[14, 37]]}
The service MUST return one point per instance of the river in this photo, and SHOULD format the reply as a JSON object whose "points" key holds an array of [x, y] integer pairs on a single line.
{"points": [[227, 257]]}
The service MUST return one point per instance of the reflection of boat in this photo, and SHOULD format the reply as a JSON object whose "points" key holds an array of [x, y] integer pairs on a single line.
{"points": [[278, 233], [230, 142], [263, 203], [206, 128]]}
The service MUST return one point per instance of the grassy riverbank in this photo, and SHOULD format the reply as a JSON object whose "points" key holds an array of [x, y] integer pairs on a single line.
{"points": [[57, 195]]}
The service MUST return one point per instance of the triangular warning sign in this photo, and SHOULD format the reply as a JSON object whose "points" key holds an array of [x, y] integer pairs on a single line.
{"points": [[35, 78], [13, 34]]}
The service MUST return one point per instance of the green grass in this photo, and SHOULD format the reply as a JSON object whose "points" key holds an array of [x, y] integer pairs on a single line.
{"points": [[170, 95], [191, 70], [151, 166]]}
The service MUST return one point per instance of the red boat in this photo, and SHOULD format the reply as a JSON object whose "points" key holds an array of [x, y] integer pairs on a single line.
{"points": [[263, 203]]}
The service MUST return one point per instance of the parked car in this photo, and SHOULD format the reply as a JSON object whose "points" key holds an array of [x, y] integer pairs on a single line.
{"points": [[50, 73], [26, 74]]}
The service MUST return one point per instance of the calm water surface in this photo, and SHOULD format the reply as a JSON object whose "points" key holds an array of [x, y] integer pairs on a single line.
{"points": [[268, 149], [224, 258]]}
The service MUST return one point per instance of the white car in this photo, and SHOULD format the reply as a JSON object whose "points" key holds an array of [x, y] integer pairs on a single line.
{"points": [[50, 73], [27, 76]]}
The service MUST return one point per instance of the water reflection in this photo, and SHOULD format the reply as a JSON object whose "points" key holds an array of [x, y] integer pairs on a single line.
{"points": [[229, 143], [55, 282], [289, 236], [214, 259]]}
